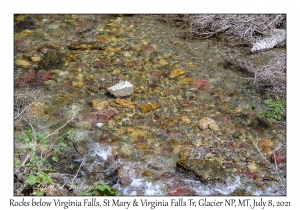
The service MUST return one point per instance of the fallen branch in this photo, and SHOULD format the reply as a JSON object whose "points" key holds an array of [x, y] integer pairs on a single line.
{"points": [[263, 30], [269, 42]]}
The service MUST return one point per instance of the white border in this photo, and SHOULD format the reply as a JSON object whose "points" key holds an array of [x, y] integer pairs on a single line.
{"points": [[8, 8]]}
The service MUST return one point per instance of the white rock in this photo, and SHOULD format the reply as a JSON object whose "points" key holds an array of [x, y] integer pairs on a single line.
{"points": [[99, 125], [121, 89], [63, 73]]}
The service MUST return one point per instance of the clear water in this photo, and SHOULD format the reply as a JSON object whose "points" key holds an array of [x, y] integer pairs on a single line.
{"points": [[143, 152]]}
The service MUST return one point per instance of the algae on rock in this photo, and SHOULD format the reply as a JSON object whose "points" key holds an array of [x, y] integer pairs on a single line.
{"points": [[206, 170]]}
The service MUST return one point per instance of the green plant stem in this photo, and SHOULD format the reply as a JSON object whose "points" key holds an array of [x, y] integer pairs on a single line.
{"points": [[34, 136]]}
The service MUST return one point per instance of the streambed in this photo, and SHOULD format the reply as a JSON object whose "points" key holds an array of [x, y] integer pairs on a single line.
{"points": [[144, 148]]}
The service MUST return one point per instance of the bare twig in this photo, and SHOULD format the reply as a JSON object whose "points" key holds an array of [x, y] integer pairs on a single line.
{"points": [[243, 29], [56, 131], [275, 168], [78, 171], [23, 111], [270, 77]]}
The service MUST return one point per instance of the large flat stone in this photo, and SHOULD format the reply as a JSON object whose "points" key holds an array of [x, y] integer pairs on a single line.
{"points": [[121, 89], [206, 170]]}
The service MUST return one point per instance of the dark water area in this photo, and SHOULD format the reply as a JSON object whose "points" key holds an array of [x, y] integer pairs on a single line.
{"points": [[189, 128]]}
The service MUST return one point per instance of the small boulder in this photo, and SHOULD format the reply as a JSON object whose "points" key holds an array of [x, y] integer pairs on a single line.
{"points": [[121, 89], [53, 59], [28, 77], [206, 122], [102, 116], [206, 170]]}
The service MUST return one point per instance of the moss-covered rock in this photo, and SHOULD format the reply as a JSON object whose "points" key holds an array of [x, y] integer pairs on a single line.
{"points": [[53, 59]]}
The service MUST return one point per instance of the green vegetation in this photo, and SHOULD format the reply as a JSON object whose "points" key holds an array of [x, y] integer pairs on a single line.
{"points": [[250, 106], [36, 181], [100, 190], [275, 109], [39, 148], [41, 154]]}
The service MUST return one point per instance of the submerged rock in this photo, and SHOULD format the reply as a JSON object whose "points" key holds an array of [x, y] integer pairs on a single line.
{"points": [[86, 46], [206, 170], [278, 157], [28, 77], [100, 104], [24, 24], [176, 73], [123, 103], [121, 89], [22, 63], [149, 107], [181, 190], [53, 59], [206, 122], [99, 116]]}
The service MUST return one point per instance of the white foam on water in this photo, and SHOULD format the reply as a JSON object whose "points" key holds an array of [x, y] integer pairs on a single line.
{"points": [[139, 186], [102, 151], [229, 187], [216, 189], [270, 192], [136, 185], [153, 189]]}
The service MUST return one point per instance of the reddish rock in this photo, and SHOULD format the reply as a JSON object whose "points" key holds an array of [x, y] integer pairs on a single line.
{"points": [[174, 134], [118, 60], [83, 26], [244, 145], [148, 49], [168, 175], [154, 73], [181, 190], [228, 164], [44, 76], [81, 65], [279, 157], [102, 64], [99, 116], [251, 175], [67, 87], [167, 150], [43, 49], [116, 79], [23, 45], [167, 55], [124, 179], [128, 64], [29, 77], [227, 118], [201, 83]]}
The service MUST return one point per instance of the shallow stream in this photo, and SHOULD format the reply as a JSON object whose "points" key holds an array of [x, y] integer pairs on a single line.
{"points": [[177, 82]]}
